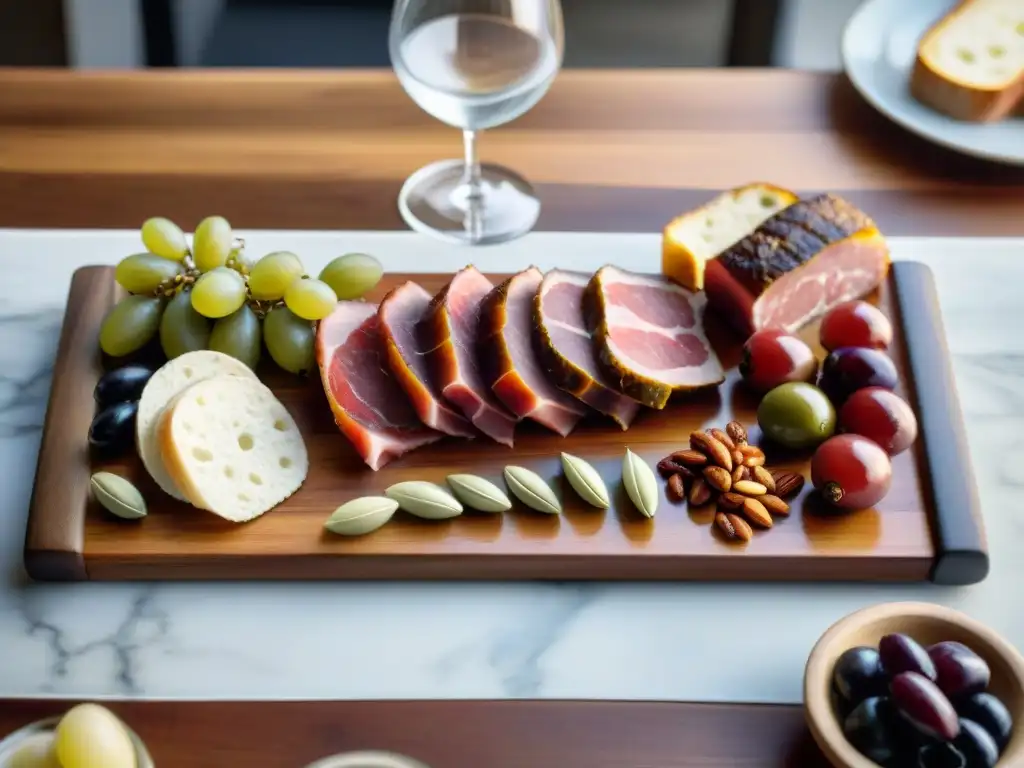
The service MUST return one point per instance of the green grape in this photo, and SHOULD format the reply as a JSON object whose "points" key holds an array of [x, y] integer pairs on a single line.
{"points": [[211, 243], [310, 299], [35, 752], [164, 238], [238, 335], [289, 340], [352, 275], [144, 272], [129, 324], [91, 736], [271, 276], [218, 293], [182, 329], [239, 261]]}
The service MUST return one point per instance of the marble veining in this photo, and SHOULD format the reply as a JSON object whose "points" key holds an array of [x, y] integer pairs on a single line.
{"points": [[743, 642]]}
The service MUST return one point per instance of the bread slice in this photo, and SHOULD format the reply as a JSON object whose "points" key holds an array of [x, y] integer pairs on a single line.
{"points": [[970, 64], [691, 239], [232, 448], [166, 383]]}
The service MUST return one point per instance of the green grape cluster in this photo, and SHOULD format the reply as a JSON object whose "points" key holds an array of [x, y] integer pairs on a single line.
{"points": [[210, 295]]}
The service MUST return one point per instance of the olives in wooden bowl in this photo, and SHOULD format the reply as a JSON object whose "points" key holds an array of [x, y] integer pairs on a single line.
{"points": [[915, 685]]}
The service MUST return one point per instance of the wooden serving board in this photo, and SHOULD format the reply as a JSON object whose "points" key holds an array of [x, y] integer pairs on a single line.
{"points": [[458, 734], [928, 526]]}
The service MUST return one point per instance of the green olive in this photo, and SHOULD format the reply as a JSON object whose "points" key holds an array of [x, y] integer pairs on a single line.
{"points": [[796, 415]]}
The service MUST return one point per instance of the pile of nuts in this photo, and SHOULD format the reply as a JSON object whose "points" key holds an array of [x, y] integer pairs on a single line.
{"points": [[721, 467]]}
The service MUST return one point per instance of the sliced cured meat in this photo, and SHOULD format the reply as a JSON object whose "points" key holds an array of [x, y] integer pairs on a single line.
{"points": [[451, 328], [510, 361], [649, 335], [400, 314], [369, 406], [566, 348], [797, 265]]}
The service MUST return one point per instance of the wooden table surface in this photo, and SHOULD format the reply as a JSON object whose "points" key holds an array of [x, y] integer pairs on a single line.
{"points": [[609, 150]]}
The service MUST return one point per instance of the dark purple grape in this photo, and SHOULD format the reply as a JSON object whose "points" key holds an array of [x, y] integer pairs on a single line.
{"points": [[977, 745], [921, 702], [991, 714], [858, 674], [941, 755], [960, 671], [869, 728], [902, 653], [848, 369]]}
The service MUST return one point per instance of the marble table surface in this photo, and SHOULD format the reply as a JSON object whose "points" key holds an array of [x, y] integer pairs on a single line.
{"points": [[686, 641]]}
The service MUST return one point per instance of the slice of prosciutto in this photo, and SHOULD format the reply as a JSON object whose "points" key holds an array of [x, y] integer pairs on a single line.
{"points": [[566, 348], [510, 362], [369, 406], [649, 335], [451, 328], [797, 265], [400, 314]]}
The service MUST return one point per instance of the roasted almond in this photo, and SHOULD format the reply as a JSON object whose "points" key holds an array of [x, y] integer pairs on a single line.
{"points": [[676, 487], [787, 484], [718, 478], [764, 477], [710, 447], [756, 513], [733, 526], [700, 492], [740, 472], [669, 466], [774, 504], [749, 488], [737, 457], [689, 458], [723, 438], [752, 455], [731, 500], [737, 432]]}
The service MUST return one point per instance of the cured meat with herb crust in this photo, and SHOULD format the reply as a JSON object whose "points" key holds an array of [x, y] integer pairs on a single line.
{"points": [[369, 407], [451, 328], [400, 314], [649, 335], [510, 362], [797, 265], [566, 348]]}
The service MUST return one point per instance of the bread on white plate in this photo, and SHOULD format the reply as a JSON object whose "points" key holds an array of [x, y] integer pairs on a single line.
{"points": [[970, 63], [232, 448], [166, 383]]}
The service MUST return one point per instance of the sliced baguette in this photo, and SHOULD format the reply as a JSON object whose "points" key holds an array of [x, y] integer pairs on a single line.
{"points": [[232, 447], [172, 378], [970, 64], [690, 240]]}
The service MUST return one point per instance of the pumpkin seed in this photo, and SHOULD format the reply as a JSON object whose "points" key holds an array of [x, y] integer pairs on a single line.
{"points": [[478, 493], [118, 496], [423, 499], [585, 480], [530, 489], [641, 484], [361, 516]]}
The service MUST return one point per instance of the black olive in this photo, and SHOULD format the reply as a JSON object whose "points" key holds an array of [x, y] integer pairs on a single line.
{"points": [[113, 430], [121, 385]]}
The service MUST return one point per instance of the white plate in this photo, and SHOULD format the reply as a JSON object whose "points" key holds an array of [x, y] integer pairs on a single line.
{"points": [[878, 49]]}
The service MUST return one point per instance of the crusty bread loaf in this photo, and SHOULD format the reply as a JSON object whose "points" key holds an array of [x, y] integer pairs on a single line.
{"points": [[970, 64], [232, 448], [171, 379], [691, 239]]}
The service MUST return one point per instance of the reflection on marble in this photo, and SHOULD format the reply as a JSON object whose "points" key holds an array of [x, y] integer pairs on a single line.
{"points": [[650, 641]]}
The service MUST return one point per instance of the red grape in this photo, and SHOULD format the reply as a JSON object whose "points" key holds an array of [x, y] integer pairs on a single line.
{"points": [[772, 357], [977, 745], [848, 369], [880, 415], [991, 714], [925, 706], [960, 671], [851, 472], [902, 653], [856, 324]]}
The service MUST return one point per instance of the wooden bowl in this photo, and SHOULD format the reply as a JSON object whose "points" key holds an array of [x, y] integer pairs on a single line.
{"points": [[927, 623]]}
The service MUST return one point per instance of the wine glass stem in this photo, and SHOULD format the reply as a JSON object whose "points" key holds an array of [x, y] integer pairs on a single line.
{"points": [[471, 172]]}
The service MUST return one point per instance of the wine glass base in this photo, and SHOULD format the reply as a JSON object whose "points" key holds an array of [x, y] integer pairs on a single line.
{"points": [[436, 201]]}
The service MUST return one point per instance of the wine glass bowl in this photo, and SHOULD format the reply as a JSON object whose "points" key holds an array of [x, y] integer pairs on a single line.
{"points": [[474, 64]]}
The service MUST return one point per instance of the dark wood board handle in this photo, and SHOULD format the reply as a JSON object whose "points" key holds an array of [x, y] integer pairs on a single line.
{"points": [[961, 554]]}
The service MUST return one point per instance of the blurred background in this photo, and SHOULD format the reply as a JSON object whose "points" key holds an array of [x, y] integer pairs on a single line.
{"points": [[802, 34]]}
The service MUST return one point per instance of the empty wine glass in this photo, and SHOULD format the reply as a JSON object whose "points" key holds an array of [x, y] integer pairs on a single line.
{"points": [[473, 64]]}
